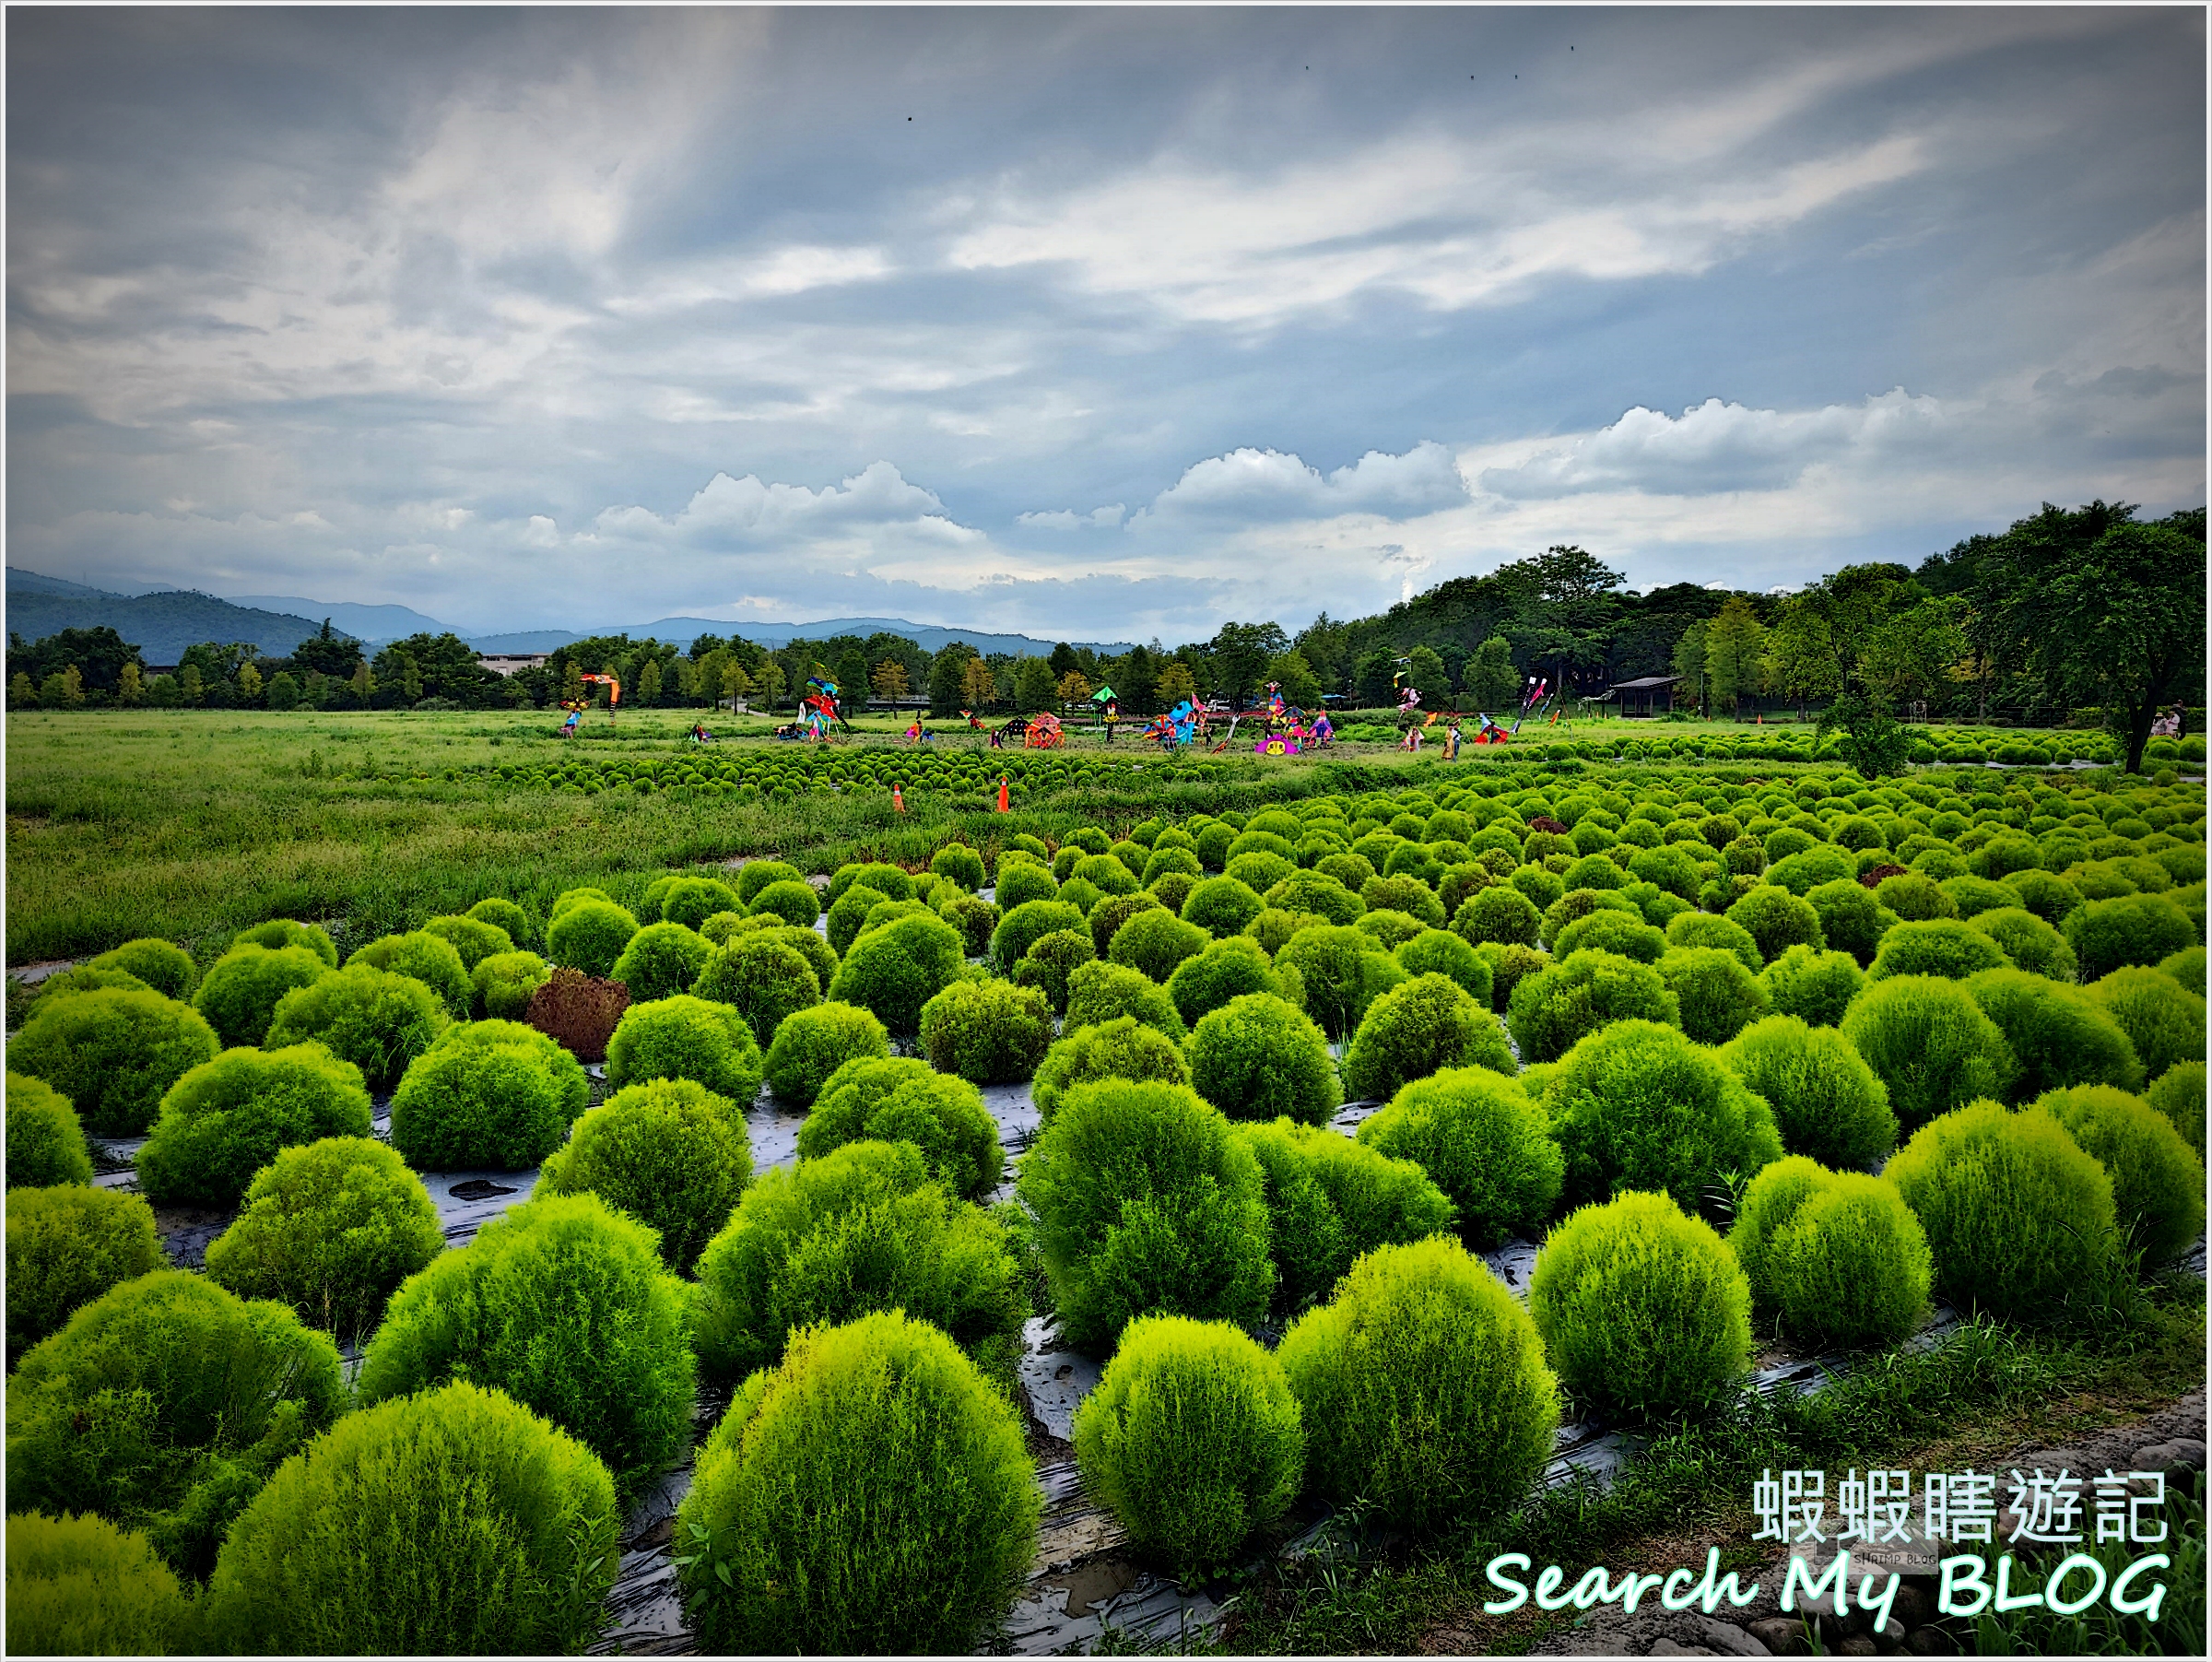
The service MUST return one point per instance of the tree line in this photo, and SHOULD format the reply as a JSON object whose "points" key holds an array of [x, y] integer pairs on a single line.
{"points": [[2066, 608]]}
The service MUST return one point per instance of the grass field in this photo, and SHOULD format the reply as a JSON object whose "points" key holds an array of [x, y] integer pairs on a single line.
{"points": [[195, 826]]}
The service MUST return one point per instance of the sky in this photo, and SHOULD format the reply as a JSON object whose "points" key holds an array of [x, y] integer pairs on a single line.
{"points": [[1088, 323]]}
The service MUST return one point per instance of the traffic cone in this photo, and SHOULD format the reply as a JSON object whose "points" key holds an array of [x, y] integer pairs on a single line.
{"points": [[897, 800], [1002, 794]]}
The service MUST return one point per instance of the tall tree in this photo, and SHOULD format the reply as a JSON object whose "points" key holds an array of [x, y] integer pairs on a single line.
{"points": [[1063, 660], [1301, 686], [1735, 642], [2104, 608], [1241, 653], [1491, 681], [948, 673], [1034, 687]]}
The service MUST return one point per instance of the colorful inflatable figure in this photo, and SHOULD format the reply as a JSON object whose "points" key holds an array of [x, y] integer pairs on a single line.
{"points": [[1325, 730], [1045, 732], [1178, 726], [818, 706]]}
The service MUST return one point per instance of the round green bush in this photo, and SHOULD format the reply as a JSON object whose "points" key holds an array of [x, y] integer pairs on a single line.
{"points": [[898, 969], [2157, 1181], [1418, 1028], [1972, 896], [84, 979], [1097, 992], [1644, 1311], [1827, 1102], [162, 965], [162, 1405], [1422, 1387], [113, 1052], [755, 875], [1021, 928], [453, 1522], [903, 1099], [1192, 1438], [2187, 966], [1154, 942], [686, 1038], [1579, 904], [2049, 896], [2030, 942], [1852, 920], [796, 903], [1123, 1048], [670, 1153], [240, 994], [690, 901], [1024, 882], [1815, 986], [662, 960], [1439, 952], [989, 1033], [812, 1045], [974, 917], [504, 982], [1915, 897], [861, 1229], [502, 914], [1717, 995], [1556, 1007], [227, 1119], [872, 1495], [1498, 913], [2179, 1095], [590, 935], [2129, 929], [1941, 947], [762, 979], [1623, 934], [426, 959], [2058, 1034], [1849, 1266], [279, 932], [78, 1586], [1259, 869], [1222, 906], [330, 1228], [564, 1303], [45, 1139], [1108, 916], [1274, 928], [961, 865], [1226, 969], [473, 937], [1341, 971], [1483, 1141], [1319, 895], [1930, 1043], [495, 1095], [569, 899], [1705, 929], [376, 1019], [1329, 1199], [1047, 962], [1777, 920], [1770, 1200], [820, 956], [1260, 1057], [1146, 1204], [2020, 1220], [2162, 1020], [66, 1245], [1639, 1106], [848, 914]]}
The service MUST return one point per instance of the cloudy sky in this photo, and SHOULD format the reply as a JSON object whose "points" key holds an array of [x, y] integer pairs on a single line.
{"points": [[1088, 323]]}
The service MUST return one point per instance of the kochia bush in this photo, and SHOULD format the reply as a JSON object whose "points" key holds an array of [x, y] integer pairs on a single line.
{"points": [[113, 1052], [1930, 1043], [282, 932], [1123, 1048], [504, 982], [473, 937], [1815, 986], [1555, 1007], [762, 979], [1638, 1106], [162, 965], [45, 1139], [901, 1100], [331, 1228], [66, 1245], [2157, 1181], [2130, 929], [1941, 947], [1718, 997], [226, 1119], [1192, 1438], [896, 969], [240, 994], [1146, 1203], [79, 1586], [687, 1038], [989, 1033], [379, 1021], [1838, 1257], [1329, 1199], [1097, 992], [1419, 1027], [872, 1495], [2162, 1019], [2179, 1095], [492, 1094], [1485, 1143], [813, 1044], [660, 960], [670, 1153], [1777, 920], [590, 935], [2019, 1220], [1828, 1103], [565, 1306], [860, 1229], [2028, 941], [426, 959], [1259, 1056], [1644, 1309], [455, 1522], [1422, 1386], [2058, 1034]]}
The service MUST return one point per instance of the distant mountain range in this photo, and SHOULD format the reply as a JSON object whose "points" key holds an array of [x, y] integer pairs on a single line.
{"points": [[164, 622]]}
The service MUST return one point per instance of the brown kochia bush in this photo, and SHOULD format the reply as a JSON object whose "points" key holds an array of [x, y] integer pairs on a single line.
{"points": [[578, 1012]]}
